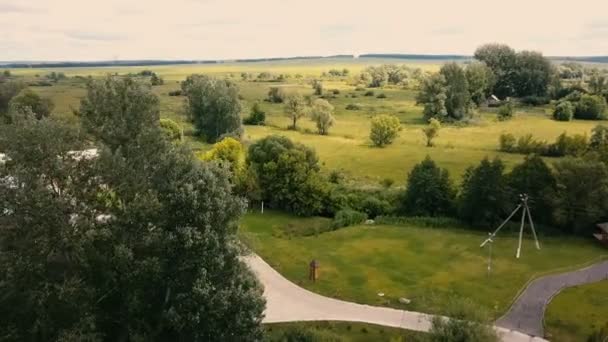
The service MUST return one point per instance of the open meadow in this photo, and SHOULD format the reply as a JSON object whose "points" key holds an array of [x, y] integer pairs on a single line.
{"points": [[422, 262], [347, 148]]}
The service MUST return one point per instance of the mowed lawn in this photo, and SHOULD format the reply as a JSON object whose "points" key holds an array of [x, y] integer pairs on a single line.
{"points": [[426, 265], [347, 147], [577, 312], [343, 332]]}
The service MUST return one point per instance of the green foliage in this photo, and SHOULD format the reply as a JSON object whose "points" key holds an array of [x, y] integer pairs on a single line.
{"points": [[600, 335], [116, 109], [564, 111], [590, 107], [295, 107], [172, 129], [598, 83], [317, 86], [8, 90], [29, 102], [276, 95], [431, 131], [480, 80], [506, 111], [287, 174], [502, 60], [429, 191], [533, 74], [321, 114], [162, 257], [582, 194], [534, 178], [353, 106], [348, 217], [568, 145], [507, 143], [378, 76], [214, 106], [457, 102], [385, 129], [256, 117], [228, 152], [467, 323], [433, 96], [381, 96], [484, 197], [369, 93]]}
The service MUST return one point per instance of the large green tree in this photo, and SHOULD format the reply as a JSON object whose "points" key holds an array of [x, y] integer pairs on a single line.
{"points": [[502, 60], [136, 244], [214, 106], [288, 175], [484, 195], [432, 95], [534, 178], [458, 98], [429, 191], [8, 90], [533, 74], [29, 101], [582, 194], [480, 80]]}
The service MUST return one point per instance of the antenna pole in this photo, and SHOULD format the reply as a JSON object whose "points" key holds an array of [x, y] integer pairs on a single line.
{"points": [[499, 227], [532, 225], [521, 232]]}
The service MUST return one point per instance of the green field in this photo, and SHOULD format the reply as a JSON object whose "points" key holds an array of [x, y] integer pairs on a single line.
{"points": [[343, 332], [577, 312], [426, 265], [347, 148]]}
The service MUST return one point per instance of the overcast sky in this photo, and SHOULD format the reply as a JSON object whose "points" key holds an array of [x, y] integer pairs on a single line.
{"points": [[224, 29]]}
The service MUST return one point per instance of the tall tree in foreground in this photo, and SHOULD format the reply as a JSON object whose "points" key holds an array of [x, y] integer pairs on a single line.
{"points": [[483, 199], [429, 191], [137, 244], [214, 106]]}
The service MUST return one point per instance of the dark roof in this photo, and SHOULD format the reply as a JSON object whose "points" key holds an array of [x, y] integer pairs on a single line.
{"points": [[603, 226]]}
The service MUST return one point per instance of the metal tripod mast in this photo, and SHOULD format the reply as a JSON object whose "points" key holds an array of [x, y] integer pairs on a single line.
{"points": [[525, 213]]}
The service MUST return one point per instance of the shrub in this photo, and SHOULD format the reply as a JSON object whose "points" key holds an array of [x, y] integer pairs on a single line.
{"points": [[276, 95], [175, 93], [335, 177], [385, 128], [387, 182], [348, 217], [172, 129], [359, 88], [508, 142], [335, 91], [373, 206], [526, 144], [590, 107], [381, 96], [565, 145], [534, 100], [369, 93], [431, 131], [353, 106], [506, 111], [256, 117], [563, 111]]}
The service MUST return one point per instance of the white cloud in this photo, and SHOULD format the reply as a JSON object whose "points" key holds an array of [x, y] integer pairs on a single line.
{"points": [[218, 29]]}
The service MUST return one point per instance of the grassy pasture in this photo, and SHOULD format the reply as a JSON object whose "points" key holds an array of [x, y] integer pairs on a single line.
{"points": [[344, 332], [347, 148], [577, 312], [426, 265]]}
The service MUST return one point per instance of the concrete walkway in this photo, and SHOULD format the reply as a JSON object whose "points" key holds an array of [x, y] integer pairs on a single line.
{"points": [[527, 313], [287, 302]]}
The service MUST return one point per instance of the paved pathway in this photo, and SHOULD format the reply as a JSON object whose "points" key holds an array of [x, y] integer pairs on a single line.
{"points": [[527, 313], [287, 302]]}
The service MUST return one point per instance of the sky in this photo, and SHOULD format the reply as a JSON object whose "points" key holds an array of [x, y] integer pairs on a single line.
{"points": [[85, 30]]}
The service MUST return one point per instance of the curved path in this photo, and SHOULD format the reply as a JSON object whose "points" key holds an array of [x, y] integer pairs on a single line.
{"points": [[287, 302], [527, 313]]}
